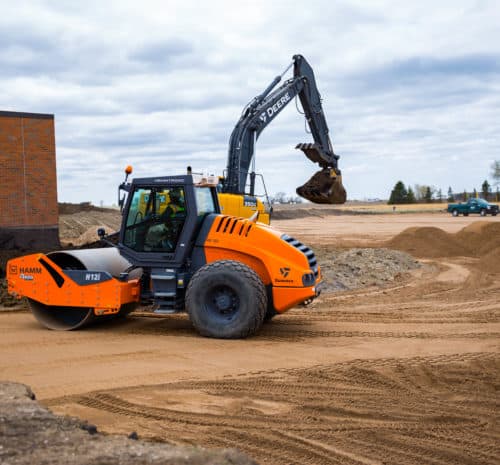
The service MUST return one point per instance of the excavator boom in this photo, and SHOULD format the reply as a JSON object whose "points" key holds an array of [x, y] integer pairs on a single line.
{"points": [[325, 186]]}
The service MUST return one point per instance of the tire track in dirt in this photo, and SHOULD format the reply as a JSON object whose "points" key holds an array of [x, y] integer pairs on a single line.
{"points": [[416, 313], [437, 409], [301, 334]]}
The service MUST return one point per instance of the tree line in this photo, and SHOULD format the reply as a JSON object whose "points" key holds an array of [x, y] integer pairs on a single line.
{"points": [[402, 194]]}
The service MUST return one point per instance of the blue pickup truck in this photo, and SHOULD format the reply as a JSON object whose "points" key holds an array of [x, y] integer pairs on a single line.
{"points": [[479, 206]]}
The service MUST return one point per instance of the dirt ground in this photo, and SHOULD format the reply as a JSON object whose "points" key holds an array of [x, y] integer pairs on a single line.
{"points": [[31, 434], [405, 371]]}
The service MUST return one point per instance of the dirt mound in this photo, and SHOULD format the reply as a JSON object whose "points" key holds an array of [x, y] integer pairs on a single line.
{"points": [[71, 208], [475, 240], [490, 261], [480, 237], [294, 213], [73, 226], [356, 268], [428, 242], [29, 434]]}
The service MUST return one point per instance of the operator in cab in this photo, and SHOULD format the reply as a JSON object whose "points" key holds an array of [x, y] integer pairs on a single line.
{"points": [[163, 236]]}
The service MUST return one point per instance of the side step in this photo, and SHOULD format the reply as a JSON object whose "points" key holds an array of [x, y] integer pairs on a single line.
{"points": [[167, 290]]}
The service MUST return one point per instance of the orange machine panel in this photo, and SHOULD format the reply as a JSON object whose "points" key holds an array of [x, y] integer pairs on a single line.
{"points": [[276, 261], [37, 277]]}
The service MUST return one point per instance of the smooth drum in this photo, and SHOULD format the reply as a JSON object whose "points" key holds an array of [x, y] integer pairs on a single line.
{"points": [[68, 318]]}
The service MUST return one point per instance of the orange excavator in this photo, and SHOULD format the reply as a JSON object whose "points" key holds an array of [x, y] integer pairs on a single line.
{"points": [[175, 252]]}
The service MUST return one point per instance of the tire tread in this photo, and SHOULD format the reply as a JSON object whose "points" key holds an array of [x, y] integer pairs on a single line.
{"points": [[250, 275]]}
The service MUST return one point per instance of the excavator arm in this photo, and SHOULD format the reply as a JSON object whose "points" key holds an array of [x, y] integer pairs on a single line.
{"points": [[326, 185]]}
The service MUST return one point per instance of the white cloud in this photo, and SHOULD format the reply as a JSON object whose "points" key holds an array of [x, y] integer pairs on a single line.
{"points": [[410, 90]]}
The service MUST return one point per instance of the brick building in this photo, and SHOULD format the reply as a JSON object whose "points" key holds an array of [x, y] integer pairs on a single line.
{"points": [[28, 183]]}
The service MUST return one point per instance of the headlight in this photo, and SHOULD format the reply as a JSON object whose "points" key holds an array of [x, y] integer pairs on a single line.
{"points": [[308, 279]]}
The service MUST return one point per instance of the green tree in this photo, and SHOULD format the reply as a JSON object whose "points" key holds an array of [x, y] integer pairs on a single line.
{"points": [[465, 196], [485, 189], [428, 195], [439, 195], [399, 194], [474, 193], [410, 198], [451, 198]]}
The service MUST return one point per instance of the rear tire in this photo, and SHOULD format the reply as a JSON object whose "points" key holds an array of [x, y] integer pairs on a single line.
{"points": [[482, 212], [454, 212], [226, 299]]}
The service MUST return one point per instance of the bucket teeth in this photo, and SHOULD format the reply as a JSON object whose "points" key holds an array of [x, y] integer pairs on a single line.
{"points": [[323, 188]]}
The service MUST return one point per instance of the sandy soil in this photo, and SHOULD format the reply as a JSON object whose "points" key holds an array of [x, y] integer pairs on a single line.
{"points": [[80, 227], [340, 228], [373, 230], [401, 374]]}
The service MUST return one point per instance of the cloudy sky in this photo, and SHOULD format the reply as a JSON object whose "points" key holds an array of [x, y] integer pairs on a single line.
{"points": [[411, 90]]}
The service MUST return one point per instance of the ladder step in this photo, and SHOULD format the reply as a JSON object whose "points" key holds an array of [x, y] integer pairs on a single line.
{"points": [[165, 311], [163, 277], [165, 294]]}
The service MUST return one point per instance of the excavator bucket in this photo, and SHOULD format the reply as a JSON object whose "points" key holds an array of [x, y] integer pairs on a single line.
{"points": [[325, 186]]}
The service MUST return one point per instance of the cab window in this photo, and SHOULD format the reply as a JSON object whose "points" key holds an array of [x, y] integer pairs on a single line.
{"points": [[204, 201], [155, 219]]}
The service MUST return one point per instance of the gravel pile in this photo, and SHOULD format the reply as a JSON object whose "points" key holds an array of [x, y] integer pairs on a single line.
{"points": [[356, 268]]}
